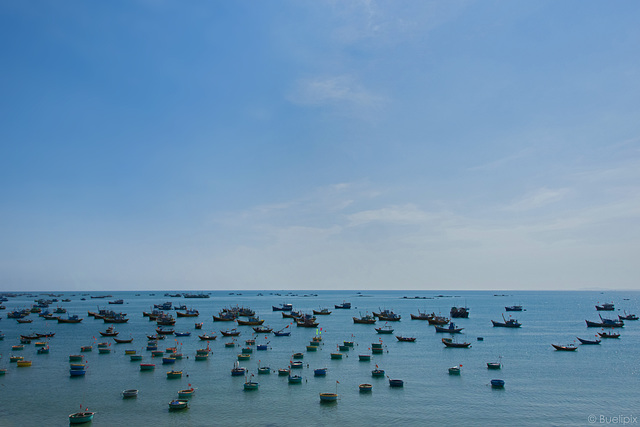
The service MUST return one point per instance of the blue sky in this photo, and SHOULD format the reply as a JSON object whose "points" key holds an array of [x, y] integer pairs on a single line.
{"points": [[319, 145]]}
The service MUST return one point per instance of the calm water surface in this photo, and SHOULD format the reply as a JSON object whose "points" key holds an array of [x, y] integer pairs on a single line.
{"points": [[543, 386]]}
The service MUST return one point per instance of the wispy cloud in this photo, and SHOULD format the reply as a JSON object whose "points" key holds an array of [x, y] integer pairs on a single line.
{"points": [[503, 161], [406, 214], [336, 90], [538, 199]]}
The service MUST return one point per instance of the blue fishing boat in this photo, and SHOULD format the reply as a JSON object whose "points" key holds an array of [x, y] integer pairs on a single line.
{"points": [[451, 329], [282, 307], [511, 323], [588, 342], [320, 372], [295, 379], [344, 306], [497, 383], [384, 330], [396, 383], [176, 404], [365, 387]]}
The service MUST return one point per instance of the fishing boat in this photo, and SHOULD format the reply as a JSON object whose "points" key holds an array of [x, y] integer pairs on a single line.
{"points": [[17, 347], [495, 365], [186, 393], [437, 320], [628, 316], [282, 307], [251, 385], [188, 313], [569, 347], [129, 393], [511, 323], [328, 397], [451, 329], [118, 301], [295, 365], [207, 337], [396, 383], [43, 350], [283, 372], [322, 312], [459, 312], [306, 321], [252, 321], [384, 330], [177, 404], [282, 333], [147, 366], [388, 316], [405, 339], [497, 383], [230, 333], [295, 379], [364, 357], [367, 319], [238, 370], [24, 320], [320, 372], [292, 314], [81, 417], [343, 306], [455, 370], [420, 316], [608, 335], [168, 360], [588, 342], [183, 334], [607, 306], [104, 350], [135, 357], [162, 331], [264, 370], [225, 317], [13, 359], [262, 330], [513, 308], [377, 372], [365, 387], [123, 341], [174, 374], [23, 363], [71, 319], [448, 342], [336, 356], [605, 323]]}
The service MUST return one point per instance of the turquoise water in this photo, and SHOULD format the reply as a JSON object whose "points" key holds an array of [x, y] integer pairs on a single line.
{"points": [[543, 386]]}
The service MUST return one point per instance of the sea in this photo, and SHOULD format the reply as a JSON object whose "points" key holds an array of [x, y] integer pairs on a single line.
{"points": [[594, 385]]}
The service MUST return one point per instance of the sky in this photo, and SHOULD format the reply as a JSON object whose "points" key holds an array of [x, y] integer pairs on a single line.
{"points": [[315, 144]]}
